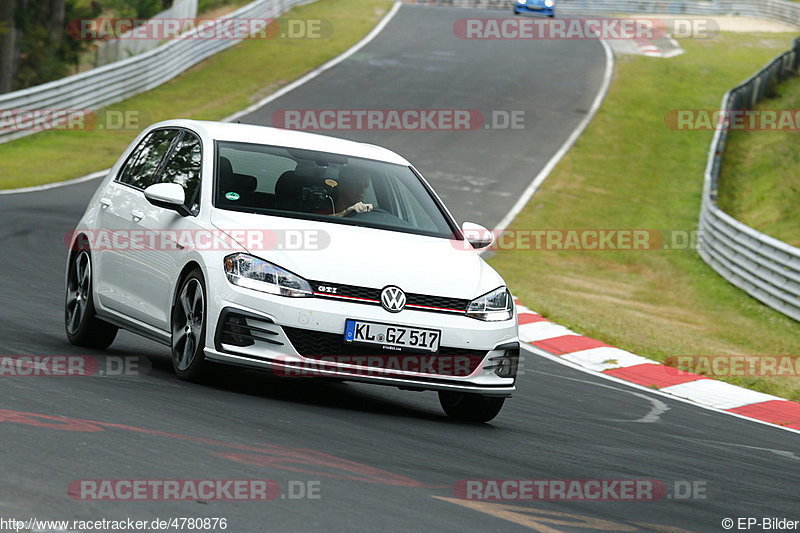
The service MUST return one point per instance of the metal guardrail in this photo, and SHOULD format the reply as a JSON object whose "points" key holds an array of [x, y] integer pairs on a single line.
{"points": [[777, 10], [124, 47], [764, 267], [112, 83]]}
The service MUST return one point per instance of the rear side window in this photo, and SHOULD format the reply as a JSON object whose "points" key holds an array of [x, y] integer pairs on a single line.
{"points": [[183, 167], [141, 168]]}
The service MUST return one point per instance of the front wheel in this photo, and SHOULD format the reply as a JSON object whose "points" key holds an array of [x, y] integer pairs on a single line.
{"points": [[189, 327], [83, 327], [470, 407]]}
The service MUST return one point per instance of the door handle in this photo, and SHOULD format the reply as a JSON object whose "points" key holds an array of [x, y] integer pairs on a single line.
{"points": [[137, 215], [105, 203]]}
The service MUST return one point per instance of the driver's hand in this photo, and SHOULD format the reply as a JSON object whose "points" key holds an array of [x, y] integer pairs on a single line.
{"points": [[358, 207]]}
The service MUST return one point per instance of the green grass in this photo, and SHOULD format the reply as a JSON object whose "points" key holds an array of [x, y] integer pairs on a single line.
{"points": [[213, 89], [759, 183], [204, 6], [629, 170]]}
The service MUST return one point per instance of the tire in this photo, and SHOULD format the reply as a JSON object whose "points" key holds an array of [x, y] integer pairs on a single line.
{"points": [[470, 407], [82, 326], [189, 328]]}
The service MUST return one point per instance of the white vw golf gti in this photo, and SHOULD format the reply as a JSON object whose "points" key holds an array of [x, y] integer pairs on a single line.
{"points": [[296, 253]]}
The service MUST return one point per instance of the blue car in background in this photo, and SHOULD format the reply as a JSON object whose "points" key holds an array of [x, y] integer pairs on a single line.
{"points": [[543, 7]]}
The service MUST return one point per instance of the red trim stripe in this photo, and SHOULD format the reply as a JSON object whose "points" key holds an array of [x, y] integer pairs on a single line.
{"points": [[345, 297], [327, 295], [437, 308]]}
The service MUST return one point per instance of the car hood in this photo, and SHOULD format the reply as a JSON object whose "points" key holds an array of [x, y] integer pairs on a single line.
{"points": [[366, 257]]}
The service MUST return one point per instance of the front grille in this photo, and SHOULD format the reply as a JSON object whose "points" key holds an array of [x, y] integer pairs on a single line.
{"points": [[367, 295], [439, 302], [331, 347], [350, 291]]}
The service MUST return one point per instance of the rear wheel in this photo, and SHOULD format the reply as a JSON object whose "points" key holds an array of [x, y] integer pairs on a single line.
{"points": [[470, 407], [189, 327], [83, 327]]}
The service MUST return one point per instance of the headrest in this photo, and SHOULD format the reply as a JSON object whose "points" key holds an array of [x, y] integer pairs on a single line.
{"points": [[225, 168], [234, 182], [240, 183], [283, 187], [354, 175]]}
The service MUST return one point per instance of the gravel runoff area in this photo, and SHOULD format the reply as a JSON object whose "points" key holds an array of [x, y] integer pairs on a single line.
{"points": [[734, 24]]}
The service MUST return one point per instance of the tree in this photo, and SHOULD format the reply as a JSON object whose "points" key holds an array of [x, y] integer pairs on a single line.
{"points": [[7, 45], [35, 46]]}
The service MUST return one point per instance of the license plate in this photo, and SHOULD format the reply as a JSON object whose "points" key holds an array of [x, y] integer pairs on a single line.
{"points": [[360, 332]]}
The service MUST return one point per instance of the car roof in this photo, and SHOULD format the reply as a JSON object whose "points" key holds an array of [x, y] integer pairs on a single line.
{"points": [[249, 133]]}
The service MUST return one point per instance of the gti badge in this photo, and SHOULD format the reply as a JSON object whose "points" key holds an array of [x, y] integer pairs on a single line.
{"points": [[393, 299]]}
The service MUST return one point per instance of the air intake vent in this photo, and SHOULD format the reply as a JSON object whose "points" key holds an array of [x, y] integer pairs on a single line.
{"points": [[239, 328]]}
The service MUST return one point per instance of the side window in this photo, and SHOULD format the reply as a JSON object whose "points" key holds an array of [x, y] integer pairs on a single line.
{"points": [[183, 167], [266, 168], [140, 169]]}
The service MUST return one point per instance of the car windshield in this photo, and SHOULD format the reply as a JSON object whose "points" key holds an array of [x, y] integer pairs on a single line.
{"points": [[298, 183]]}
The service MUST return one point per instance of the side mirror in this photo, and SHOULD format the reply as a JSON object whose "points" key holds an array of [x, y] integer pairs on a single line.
{"points": [[477, 235], [168, 196]]}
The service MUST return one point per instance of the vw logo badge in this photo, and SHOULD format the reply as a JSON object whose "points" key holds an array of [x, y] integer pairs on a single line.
{"points": [[393, 299]]}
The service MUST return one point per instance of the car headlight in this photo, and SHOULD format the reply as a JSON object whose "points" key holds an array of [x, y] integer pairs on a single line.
{"points": [[549, 3], [254, 273], [522, 2], [493, 306]]}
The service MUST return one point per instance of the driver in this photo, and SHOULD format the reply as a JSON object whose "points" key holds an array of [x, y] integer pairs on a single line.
{"points": [[349, 193]]}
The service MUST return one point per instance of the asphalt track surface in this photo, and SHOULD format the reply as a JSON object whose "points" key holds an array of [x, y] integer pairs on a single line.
{"points": [[386, 460]]}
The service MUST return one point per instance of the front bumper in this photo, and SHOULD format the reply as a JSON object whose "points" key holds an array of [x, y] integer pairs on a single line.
{"points": [[409, 383], [300, 337]]}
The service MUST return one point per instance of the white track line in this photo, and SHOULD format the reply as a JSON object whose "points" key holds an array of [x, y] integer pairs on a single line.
{"points": [[261, 103], [548, 168], [526, 196], [87, 177], [319, 70], [536, 351]]}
